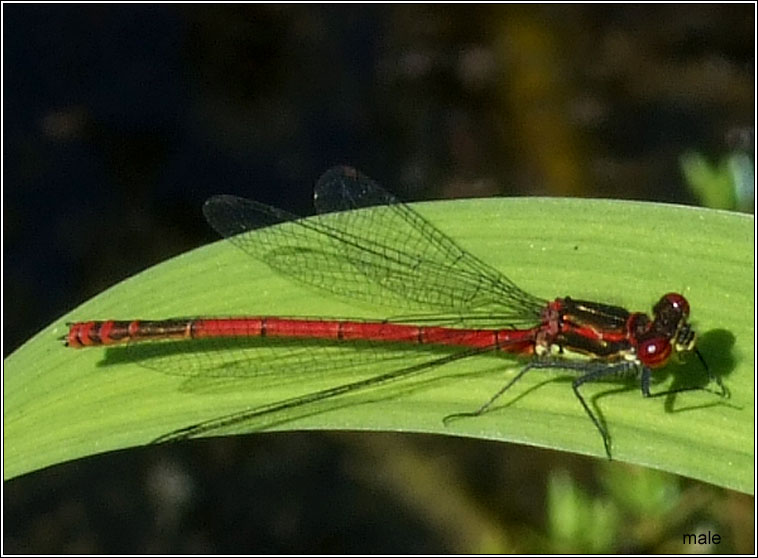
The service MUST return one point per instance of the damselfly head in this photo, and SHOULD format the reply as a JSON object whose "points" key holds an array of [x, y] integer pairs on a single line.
{"points": [[668, 333]]}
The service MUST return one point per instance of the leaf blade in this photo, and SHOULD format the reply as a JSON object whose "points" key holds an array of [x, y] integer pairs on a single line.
{"points": [[61, 404]]}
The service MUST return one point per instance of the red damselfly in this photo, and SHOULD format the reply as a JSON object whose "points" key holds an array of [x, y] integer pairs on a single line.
{"points": [[373, 248]]}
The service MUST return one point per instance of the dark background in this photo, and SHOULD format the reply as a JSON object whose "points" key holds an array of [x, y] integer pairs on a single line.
{"points": [[119, 120]]}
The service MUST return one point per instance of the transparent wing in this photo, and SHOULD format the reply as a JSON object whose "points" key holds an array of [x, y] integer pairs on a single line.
{"points": [[368, 246]]}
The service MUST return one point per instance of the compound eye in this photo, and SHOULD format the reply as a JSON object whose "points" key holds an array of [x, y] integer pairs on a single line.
{"points": [[654, 352], [676, 301]]}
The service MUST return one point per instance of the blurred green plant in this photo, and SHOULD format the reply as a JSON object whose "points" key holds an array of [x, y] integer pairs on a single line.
{"points": [[728, 184], [578, 522], [637, 510]]}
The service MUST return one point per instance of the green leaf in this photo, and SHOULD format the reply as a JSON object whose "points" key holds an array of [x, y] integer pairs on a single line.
{"points": [[62, 403]]}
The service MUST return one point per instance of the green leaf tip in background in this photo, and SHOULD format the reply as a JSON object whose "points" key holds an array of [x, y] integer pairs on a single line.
{"points": [[728, 184], [62, 404]]}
